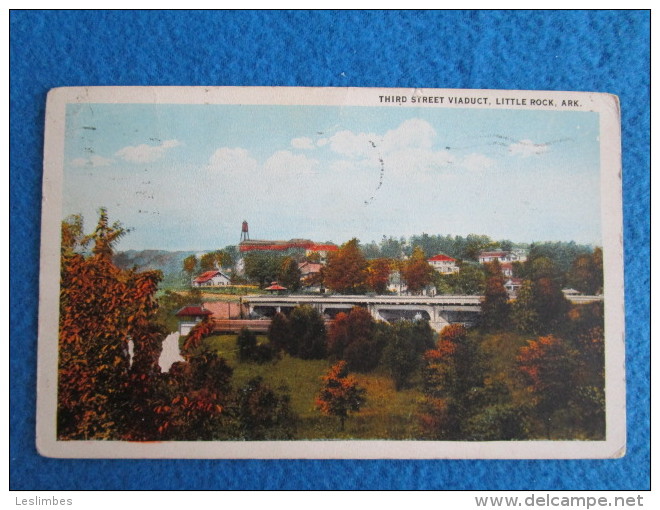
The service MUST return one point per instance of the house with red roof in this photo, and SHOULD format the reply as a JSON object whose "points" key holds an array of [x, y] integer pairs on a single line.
{"points": [[444, 264], [189, 316], [211, 279]]}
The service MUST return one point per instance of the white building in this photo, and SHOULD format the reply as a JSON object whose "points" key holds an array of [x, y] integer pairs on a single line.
{"points": [[211, 279], [502, 256], [444, 264]]}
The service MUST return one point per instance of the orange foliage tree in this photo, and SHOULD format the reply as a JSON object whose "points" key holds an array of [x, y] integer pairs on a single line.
{"points": [[102, 309], [346, 270], [353, 338], [378, 275], [549, 365], [340, 394], [452, 377], [416, 271]]}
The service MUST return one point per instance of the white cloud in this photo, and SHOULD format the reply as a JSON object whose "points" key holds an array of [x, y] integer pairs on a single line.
{"points": [[322, 142], [285, 163], [235, 160], [411, 133], [302, 143], [474, 162], [354, 145], [93, 161], [146, 153], [527, 148]]}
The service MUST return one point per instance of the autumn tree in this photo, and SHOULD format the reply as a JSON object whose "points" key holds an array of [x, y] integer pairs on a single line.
{"points": [[378, 275], [340, 394], [190, 265], [416, 272], [586, 273], [102, 309], [452, 378], [495, 304], [549, 364], [289, 274], [353, 337], [194, 339], [194, 401], [347, 270]]}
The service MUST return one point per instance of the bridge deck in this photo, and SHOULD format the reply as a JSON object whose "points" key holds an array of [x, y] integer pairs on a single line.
{"points": [[368, 300], [445, 300]]}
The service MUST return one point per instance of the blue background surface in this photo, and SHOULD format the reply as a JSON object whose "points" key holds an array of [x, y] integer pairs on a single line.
{"points": [[587, 51]]}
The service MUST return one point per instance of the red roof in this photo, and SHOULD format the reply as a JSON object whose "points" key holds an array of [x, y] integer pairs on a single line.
{"points": [[442, 257], [193, 311], [275, 286], [323, 247], [205, 277]]}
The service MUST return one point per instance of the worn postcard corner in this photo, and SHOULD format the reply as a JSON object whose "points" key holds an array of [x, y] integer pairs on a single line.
{"points": [[331, 273]]}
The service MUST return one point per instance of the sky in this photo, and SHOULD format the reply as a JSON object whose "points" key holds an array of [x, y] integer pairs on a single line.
{"points": [[184, 177]]}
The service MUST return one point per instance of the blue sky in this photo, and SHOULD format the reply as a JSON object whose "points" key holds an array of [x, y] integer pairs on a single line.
{"points": [[184, 177]]}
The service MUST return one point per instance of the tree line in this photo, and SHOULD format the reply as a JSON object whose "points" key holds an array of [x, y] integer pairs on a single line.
{"points": [[532, 368]]}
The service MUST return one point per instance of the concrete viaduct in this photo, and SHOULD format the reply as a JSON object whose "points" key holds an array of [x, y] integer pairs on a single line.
{"points": [[438, 310]]}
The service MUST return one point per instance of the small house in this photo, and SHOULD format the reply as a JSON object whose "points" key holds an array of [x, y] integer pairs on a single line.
{"points": [[191, 315], [211, 279], [444, 264]]}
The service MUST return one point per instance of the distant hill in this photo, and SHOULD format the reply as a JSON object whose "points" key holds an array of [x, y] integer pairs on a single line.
{"points": [[144, 260], [169, 262]]}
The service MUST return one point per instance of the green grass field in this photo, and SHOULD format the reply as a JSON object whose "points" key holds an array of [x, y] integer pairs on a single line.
{"points": [[387, 414]]}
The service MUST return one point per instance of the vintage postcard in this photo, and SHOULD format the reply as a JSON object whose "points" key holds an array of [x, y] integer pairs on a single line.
{"points": [[237, 272]]}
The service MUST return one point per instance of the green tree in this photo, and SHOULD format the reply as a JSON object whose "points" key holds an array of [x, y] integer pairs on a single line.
{"points": [[524, 315], [307, 333], [346, 270], [246, 343], [262, 267], [250, 350], [262, 414], [470, 280], [402, 354], [340, 394], [279, 333], [416, 271]]}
